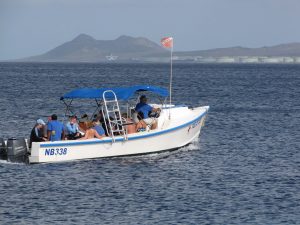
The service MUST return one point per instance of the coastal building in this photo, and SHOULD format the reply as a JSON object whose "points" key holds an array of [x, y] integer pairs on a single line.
{"points": [[271, 60], [296, 59], [201, 59], [246, 59], [226, 59], [288, 60]]}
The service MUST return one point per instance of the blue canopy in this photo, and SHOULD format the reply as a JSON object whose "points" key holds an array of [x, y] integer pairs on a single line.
{"points": [[123, 93], [83, 93]]}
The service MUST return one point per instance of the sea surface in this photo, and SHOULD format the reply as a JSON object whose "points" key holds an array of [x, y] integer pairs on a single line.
{"points": [[244, 168]]}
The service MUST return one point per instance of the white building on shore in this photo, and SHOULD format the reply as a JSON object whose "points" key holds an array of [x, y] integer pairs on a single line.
{"points": [[227, 59]]}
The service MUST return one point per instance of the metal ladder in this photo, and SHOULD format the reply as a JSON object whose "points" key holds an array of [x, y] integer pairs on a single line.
{"points": [[112, 111]]}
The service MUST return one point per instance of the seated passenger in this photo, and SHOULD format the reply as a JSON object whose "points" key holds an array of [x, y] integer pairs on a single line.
{"points": [[83, 122], [55, 129], [37, 134], [104, 122], [143, 110], [90, 132], [72, 129], [98, 127]]}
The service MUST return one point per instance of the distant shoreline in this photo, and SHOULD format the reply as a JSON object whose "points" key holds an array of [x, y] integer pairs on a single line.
{"points": [[221, 60]]}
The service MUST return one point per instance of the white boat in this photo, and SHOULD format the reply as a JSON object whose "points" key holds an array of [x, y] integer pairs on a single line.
{"points": [[178, 126], [111, 57]]}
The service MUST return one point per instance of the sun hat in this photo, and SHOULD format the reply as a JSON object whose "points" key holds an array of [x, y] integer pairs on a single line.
{"points": [[40, 121]]}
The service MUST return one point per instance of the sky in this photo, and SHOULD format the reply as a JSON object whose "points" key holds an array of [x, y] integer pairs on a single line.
{"points": [[33, 27]]}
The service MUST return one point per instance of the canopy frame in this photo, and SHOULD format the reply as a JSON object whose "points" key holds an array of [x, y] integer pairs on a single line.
{"points": [[69, 112], [123, 94]]}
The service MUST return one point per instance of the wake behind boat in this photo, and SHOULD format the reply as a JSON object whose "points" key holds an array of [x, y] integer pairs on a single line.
{"points": [[177, 126]]}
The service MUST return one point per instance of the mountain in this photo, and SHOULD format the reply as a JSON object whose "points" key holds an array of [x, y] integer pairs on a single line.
{"points": [[85, 48]]}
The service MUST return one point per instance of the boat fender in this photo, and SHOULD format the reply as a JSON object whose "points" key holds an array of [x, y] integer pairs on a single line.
{"points": [[16, 150], [3, 150]]}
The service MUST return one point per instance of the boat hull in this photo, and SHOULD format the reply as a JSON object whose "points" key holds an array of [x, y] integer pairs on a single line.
{"points": [[167, 137]]}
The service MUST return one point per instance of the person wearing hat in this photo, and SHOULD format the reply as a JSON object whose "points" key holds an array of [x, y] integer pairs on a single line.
{"points": [[37, 134], [143, 110]]}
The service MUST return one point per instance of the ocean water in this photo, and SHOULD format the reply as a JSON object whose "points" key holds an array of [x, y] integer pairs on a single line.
{"points": [[244, 168]]}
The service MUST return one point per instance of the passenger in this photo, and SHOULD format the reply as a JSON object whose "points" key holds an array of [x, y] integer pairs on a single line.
{"points": [[143, 109], [130, 126], [37, 134], [55, 130], [103, 120], [72, 129], [139, 122], [90, 132], [98, 127], [83, 122]]}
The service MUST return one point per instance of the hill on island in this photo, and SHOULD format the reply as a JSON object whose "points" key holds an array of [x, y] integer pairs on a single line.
{"points": [[85, 48]]}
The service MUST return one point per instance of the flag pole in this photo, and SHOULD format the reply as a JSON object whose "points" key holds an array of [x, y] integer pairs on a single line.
{"points": [[171, 77], [167, 42]]}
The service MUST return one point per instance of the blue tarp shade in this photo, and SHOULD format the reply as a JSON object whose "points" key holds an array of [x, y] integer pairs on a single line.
{"points": [[123, 93], [126, 93]]}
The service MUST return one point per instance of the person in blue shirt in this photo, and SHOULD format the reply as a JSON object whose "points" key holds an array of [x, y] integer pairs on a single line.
{"points": [[55, 129], [143, 110], [97, 126], [72, 129]]}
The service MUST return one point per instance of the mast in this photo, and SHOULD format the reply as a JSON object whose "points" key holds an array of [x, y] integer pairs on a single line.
{"points": [[167, 42], [171, 79]]}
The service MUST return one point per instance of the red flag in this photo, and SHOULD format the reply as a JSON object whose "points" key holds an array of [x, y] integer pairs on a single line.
{"points": [[167, 42]]}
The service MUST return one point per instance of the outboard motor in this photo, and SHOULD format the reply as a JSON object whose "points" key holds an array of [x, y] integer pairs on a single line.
{"points": [[3, 150], [17, 150]]}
